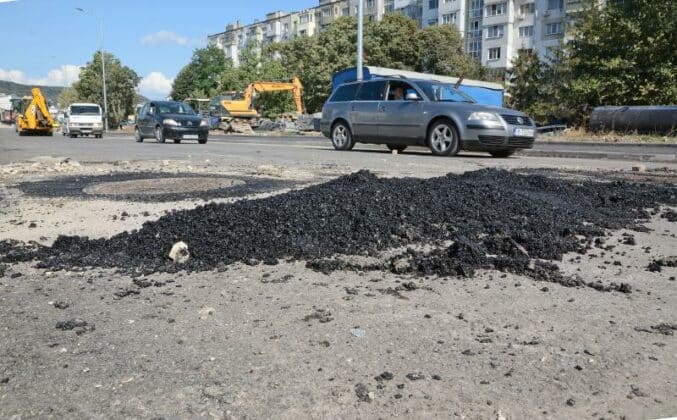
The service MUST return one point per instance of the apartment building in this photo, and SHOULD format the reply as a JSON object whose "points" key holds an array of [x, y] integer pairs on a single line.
{"points": [[494, 30], [281, 26]]}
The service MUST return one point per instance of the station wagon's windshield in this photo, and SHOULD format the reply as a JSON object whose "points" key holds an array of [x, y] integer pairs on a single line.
{"points": [[175, 108], [443, 92]]}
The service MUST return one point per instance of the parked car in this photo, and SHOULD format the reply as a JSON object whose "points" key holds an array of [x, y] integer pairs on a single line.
{"points": [[163, 120], [83, 119], [401, 112]]}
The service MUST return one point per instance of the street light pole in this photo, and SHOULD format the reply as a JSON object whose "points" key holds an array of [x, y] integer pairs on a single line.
{"points": [[103, 72], [103, 75], [360, 36]]}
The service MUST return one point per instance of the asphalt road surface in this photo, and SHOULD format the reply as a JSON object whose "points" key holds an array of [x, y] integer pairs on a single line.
{"points": [[280, 339], [278, 149]]}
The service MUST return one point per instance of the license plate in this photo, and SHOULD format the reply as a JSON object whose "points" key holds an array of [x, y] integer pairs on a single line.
{"points": [[190, 136], [524, 132]]}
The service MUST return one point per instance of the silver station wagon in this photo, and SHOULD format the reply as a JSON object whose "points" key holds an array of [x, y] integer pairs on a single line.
{"points": [[401, 112]]}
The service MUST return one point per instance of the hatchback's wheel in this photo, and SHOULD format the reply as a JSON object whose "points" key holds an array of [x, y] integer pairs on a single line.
{"points": [[73, 136], [443, 139], [177, 141], [202, 141], [502, 153], [137, 135], [159, 135], [341, 137], [399, 147]]}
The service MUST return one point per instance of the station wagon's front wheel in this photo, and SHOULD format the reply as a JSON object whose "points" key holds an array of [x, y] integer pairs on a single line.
{"points": [[341, 137], [443, 139]]}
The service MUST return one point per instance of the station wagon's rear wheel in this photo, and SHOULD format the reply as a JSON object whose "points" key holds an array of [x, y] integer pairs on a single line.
{"points": [[177, 141], [341, 137], [443, 139], [137, 135]]}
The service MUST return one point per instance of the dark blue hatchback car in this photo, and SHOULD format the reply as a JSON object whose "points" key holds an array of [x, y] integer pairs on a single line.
{"points": [[170, 120]]}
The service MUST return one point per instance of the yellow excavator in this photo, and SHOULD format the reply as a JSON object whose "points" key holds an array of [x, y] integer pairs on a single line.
{"points": [[33, 116], [242, 108]]}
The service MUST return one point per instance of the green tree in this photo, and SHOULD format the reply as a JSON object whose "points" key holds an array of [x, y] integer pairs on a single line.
{"points": [[623, 54], [528, 86], [121, 82], [201, 76], [441, 51], [391, 43], [68, 96]]}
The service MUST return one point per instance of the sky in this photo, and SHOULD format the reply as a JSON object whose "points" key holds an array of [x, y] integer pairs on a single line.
{"points": [[46, 41]]}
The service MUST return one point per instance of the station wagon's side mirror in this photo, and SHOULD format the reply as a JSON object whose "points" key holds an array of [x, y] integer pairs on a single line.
{"points": [[411, 96]]}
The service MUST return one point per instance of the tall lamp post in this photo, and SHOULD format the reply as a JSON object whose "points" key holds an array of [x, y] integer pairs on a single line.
{"points": [[103, 72], [360, 37]]}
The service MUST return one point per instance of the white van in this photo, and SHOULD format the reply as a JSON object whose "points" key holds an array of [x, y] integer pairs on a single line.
{"points": [[83, 120]]}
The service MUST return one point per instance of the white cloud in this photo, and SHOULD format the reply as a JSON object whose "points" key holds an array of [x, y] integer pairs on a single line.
{"points": [[65, 75], [155, 85], [164, 37]]}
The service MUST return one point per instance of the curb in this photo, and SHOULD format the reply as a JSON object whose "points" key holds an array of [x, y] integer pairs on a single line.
{"points": [[660, 158], [601, 144]]}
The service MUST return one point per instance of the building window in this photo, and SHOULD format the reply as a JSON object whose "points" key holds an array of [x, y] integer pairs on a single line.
{"points": [[476, 8], [495, 31], [496, 9], [474, 30], [433, 4], [327, 13], [449, 19], [494, 53], [526, 31], [554, 28], [528, 51], [526, 9], [475, 49], [555, 4]]}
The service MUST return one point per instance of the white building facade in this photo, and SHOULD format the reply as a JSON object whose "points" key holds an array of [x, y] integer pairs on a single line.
{"points": [[494, 30]]}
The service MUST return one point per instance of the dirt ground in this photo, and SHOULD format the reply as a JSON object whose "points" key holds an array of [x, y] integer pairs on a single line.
{"points": [[283, 341]]}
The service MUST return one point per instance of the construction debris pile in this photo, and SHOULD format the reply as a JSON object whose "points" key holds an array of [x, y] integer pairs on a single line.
{"points": [[446, 226], [292, 124]]}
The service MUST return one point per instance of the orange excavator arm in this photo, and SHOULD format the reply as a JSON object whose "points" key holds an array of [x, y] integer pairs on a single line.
{"points": [[243, 108]]}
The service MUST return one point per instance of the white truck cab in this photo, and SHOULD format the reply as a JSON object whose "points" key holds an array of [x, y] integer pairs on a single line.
{"points": [[83, 119]]}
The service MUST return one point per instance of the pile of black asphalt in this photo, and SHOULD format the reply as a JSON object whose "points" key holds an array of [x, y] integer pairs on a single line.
{"points": [[493, 219]]}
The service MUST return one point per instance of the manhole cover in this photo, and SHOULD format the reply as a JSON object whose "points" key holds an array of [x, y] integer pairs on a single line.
{"points": [[161, 186]]}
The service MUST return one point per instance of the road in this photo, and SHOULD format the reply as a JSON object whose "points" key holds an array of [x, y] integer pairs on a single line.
{"points": [[376, 339], [285, 150]]}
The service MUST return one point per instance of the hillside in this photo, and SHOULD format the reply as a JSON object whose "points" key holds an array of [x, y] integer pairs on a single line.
{"points": [[51, 92]]}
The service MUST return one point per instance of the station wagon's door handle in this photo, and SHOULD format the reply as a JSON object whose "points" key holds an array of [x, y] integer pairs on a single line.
{"points": [[352, 107], [382, 108]]}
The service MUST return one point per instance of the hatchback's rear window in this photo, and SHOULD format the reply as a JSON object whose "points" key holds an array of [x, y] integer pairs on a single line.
{"points": [[345, 93]]}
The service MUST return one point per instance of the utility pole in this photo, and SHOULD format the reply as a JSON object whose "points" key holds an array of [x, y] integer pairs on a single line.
{"points": [[360, 36], [103, 75]]}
